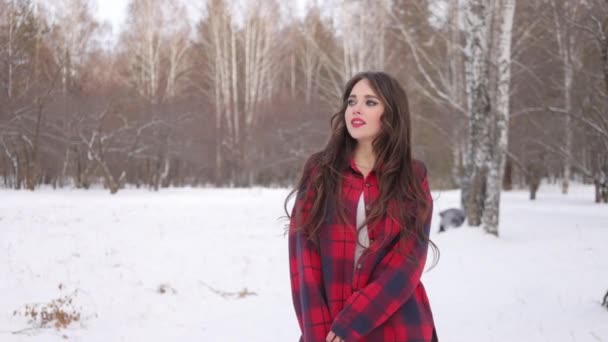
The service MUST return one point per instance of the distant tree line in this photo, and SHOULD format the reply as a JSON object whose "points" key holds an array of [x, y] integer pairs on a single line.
{"points": [[504, 93]]}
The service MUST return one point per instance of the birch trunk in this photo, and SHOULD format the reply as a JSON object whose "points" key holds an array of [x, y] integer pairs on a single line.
{"points": [[476, 54], [14, 159], [491, 212], [218, 119], [11, 23], [309, 55], [177, 38], [242, 79], [292, 78], [565, 43], [456, 91], [217, 45], [568, 77]]}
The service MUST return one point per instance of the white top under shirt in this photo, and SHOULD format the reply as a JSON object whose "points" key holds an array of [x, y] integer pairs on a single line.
{"points": [[363, 236]]}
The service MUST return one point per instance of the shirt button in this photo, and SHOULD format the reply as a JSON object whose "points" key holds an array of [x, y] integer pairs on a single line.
{"points": [[367, 185], [368, 207], [371, 240], [359, 266]]}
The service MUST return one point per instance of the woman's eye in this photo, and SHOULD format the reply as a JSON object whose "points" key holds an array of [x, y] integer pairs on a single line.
{"points": [[371, 103], [351, 102]]}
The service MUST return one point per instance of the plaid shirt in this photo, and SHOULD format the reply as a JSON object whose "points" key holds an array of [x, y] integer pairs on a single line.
{"points": [[381, 298]]}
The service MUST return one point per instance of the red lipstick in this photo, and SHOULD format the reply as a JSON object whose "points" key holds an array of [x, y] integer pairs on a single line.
{"points": [[357, 122]]}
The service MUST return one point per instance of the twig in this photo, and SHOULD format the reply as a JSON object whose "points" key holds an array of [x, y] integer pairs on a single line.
{"points": [[25, 330], [241, 294]]}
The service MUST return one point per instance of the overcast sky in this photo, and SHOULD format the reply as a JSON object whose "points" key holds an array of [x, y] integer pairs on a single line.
{"points": [[114, 11]]}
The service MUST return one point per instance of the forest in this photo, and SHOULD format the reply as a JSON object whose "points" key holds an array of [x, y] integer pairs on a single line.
{"points": [[503, 93]]}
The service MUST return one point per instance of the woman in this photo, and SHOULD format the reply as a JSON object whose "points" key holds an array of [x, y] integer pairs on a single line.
{"points": [[359, 229]]}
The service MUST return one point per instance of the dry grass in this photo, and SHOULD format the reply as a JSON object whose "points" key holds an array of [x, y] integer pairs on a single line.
{"points": [[58, 313]]}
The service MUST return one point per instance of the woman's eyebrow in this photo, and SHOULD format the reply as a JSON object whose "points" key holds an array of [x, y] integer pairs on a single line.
{"points": [[366, 96]]}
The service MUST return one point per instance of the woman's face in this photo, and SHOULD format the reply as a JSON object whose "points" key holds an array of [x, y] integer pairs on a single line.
{"points": [[363, 113]]}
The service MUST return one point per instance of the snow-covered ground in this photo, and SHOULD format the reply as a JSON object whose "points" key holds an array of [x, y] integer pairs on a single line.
{"points": [[542, 280]]}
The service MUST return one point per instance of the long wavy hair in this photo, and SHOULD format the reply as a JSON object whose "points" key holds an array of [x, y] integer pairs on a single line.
{"points": [[399, 182]]}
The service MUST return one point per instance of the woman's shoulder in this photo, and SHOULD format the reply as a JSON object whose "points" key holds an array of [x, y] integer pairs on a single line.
{"points": [[309, 171], [419, 168], [311, 165]]}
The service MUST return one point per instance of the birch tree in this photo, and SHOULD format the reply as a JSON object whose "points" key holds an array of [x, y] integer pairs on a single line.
{"points": [[176, 35], [18, 32], [252, 71], [156, 42], [362, 36], [306, 56], [240, 70], [142, 41], [259, 39], [563, 14], [74, 33], [499, 138], [439, 61], [480, 106], [9, 14], [215, 35], [361, 23], [456, 88], [595, 109], [19, 28]]}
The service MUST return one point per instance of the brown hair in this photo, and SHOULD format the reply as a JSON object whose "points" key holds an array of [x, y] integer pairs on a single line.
{"points": [[400, 180]]}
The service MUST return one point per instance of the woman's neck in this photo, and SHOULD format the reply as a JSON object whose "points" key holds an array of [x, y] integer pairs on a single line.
{"points": [[364, 156]]}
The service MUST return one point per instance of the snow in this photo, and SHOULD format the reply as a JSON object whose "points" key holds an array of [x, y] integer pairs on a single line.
{"points": [[542, 280]]}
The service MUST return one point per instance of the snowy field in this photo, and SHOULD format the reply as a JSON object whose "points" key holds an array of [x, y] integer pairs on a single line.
{"points": [[211, 265]]}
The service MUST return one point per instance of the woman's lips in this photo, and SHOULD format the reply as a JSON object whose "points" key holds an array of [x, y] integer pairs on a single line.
{"points": [[356, 123]]}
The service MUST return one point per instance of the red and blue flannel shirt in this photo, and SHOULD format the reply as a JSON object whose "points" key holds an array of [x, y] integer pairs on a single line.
{"points": [[379, 299]]}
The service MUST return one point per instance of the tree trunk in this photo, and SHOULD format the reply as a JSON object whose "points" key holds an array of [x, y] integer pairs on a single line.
{"points": [[499, 144], [563, 18], [507, 182], [27, 164], [13, 156], [476, 54], [533, 190], [568, 76], [9, 57]]}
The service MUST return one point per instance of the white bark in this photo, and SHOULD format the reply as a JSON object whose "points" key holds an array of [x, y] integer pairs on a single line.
{"points": [[234, 90], [292, 75], [362, 36], [497, 161], [563, 18], [11, 27], [217, 88], [476, 55], [456, 89], [242, 77], [443, 76], [14, 160], [143, 40], [309, 57], [258, 39], [177, 34], [77, 27]]}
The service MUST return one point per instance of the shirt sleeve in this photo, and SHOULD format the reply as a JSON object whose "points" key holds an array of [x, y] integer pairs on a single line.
{"points": [[306, 280], [372, 305]]}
